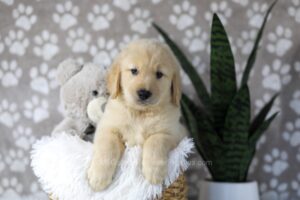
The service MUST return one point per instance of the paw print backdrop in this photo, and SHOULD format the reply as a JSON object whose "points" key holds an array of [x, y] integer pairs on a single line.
{"points": [[35, 35]]}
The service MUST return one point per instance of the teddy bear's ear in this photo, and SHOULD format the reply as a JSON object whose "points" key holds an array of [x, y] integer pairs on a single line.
{"points": [[66, 70]]}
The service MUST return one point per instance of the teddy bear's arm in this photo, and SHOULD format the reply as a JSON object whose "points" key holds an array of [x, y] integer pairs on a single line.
{"points": [[70, 126]]}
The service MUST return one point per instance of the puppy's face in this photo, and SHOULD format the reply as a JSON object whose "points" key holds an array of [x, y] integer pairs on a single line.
{"points": [[146, 74]]}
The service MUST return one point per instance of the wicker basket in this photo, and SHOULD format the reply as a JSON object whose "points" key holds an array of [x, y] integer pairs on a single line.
{"points": [[176, 191]]}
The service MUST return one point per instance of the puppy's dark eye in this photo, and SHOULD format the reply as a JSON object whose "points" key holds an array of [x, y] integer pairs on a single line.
{"points": [[159, 74], [95, 92], [134, 71]]}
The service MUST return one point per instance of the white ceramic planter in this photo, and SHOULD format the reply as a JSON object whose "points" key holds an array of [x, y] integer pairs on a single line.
{"points": [[210, 190]]}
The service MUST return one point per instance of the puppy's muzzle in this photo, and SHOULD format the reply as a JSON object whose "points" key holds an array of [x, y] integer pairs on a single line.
{"points": [[144, 94]]}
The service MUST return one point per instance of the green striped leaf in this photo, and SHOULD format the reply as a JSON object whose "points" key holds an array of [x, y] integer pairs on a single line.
{"points": [[228, 156], [222, 73], [227, 111], [200, 124], [198, 111], [252, 57], [230, 162], [200, 141], [246, 160], [263, 127], [192, 106], [260, 118], [188, 68], [238, 118], [190, 120]]}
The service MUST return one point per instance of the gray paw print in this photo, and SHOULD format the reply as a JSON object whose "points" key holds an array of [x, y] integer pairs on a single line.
{"points": [[195, 39], [36, 109], [274, 190], [10, 73], [199, 64], [66, 15], [16, 160], [295, 102], [183, 15], [280, 41], [24, 16], [16, 42], [100, 17], [246, 41], [46, 45], [78, 40], [294, 10], [139, 20], [124, 4], [10, 186], [104, 51], [292, 133], [256, 14], [276, 162], [43, 79], [23, 137], [277, 75], [9, 114]]}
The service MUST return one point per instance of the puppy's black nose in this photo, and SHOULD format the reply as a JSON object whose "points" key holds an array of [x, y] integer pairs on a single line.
{"points": [[144, 94]]}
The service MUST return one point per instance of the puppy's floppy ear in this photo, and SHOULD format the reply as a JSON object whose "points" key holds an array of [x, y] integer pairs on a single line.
{"points": [[176, 80], [114, 79], [176, 88]]}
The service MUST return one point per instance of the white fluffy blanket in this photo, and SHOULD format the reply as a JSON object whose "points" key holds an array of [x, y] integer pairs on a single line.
{"points": [[60, 162]]}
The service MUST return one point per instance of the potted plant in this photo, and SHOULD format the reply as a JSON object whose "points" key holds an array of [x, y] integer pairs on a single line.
{"points": [[222, 128]]}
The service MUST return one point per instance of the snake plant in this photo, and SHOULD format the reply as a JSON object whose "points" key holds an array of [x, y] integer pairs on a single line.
{"points": [[223, 131]]}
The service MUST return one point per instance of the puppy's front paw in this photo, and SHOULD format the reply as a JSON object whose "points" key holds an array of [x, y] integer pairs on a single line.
{"points": [[98, 177], [155, 171]]}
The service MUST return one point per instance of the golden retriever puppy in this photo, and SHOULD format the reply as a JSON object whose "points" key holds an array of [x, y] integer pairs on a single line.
{"points": [[143, 109]]}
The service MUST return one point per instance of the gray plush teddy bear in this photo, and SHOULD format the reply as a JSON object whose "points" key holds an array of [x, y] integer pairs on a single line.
{"points": [[80, 85]]}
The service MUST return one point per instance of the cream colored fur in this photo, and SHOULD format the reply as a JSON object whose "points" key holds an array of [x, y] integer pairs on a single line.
{"points": [[153, 124]]}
